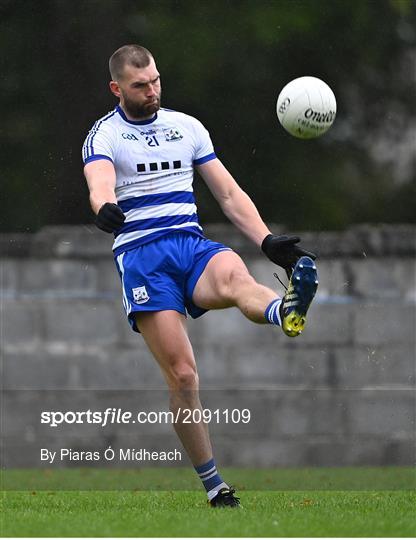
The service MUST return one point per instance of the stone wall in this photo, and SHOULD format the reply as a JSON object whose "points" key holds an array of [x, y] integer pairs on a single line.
{"points": [[341, 394]]}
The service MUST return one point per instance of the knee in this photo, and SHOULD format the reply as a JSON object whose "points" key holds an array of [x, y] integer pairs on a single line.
{"points": [[183, 376]]}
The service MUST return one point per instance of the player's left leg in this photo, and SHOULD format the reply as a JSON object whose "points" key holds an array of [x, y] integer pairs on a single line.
{"points": [[226, 282]]}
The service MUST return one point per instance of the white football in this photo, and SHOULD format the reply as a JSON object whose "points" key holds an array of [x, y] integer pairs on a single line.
{"points": [[306, 107]]}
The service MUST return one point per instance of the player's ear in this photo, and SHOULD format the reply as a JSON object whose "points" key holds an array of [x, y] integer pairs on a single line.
{"points": [[115, 89]]}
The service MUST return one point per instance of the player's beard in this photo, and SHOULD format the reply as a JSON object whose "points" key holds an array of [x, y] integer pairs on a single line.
{"points": [[141, 110]]}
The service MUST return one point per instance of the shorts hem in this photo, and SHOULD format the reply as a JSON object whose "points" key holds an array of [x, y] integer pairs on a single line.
{"points": [[132, 319]]}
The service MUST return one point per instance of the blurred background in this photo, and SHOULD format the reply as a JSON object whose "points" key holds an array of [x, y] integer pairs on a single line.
{"points": [[224, 62], [342, 394]]}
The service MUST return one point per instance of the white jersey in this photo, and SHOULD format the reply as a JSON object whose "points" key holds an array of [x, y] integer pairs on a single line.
{"points": [[154, 162]]}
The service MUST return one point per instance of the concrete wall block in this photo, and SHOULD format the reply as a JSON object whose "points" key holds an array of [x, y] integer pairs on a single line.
{"points": [[20, 418], [21, 322], [313, 452], [377, 323], [112, 368], [271, 364], [386, 412], [335, 244], [328, 451], [253, 452], [358, 451], [84, 241], [380, 451], [9, 276], [398, 239], [379, 365], [108, 280], [39, 370], [229, 326], [327, 323], [385, 239], [405, 275], [299, 412], [333, 279], [390, 277], [58, 276], [15, 244], [215, 364], [122, 368], [82, 321]]}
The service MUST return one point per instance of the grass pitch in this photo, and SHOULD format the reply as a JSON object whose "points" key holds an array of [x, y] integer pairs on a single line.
{"points": [[185, 513]]}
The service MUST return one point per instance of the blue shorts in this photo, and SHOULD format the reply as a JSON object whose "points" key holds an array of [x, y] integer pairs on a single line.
{"points": [[162, 274]]}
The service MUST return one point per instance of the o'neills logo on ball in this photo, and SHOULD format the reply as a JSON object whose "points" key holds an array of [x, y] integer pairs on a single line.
{"points": [[328, 117]]}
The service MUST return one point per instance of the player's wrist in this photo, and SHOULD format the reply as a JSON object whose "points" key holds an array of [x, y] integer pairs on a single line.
{"points": [[265, 245]]}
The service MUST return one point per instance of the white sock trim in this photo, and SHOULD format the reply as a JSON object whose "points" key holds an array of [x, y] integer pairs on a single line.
{"points": [[209, 471], [210, 476], [275, 309]]}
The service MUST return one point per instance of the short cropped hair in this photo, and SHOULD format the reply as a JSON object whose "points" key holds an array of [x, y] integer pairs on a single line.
{"points": [[134, 55]]}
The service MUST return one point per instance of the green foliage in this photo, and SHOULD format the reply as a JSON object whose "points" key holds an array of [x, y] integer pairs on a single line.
{"points": [[225, 63]]}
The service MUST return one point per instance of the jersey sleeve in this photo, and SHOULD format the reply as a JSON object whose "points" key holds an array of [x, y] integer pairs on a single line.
{"points": [[204, 149], [100, 143]]}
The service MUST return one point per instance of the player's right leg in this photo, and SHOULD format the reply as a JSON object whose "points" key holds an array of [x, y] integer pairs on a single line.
{"points": [[226, 282], [166, 336]]}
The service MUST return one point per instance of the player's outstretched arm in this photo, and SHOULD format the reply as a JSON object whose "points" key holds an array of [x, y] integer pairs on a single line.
{"points": [[240, 210], [234, 202], [101, 180]]}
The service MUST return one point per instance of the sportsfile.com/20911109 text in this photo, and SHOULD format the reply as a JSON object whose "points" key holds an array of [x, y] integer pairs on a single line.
{"points": [[113, 415]]}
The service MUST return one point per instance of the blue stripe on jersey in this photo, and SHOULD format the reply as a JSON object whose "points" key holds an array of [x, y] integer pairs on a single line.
{"points": [[156, 223], [204, 159], [88, 148], [152, 236], [157, 198], [95, 157], [87, 141], [98, 127]]}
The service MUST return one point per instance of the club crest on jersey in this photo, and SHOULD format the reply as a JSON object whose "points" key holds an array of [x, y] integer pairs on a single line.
{"points": [[140, 295], [172, 134]]}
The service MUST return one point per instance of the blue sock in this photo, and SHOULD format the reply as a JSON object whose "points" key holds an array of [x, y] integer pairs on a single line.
{"points": [[210, 478], [272, 313]]}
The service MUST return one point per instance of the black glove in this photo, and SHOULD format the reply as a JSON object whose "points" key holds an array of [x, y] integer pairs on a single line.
{"points": [[282, 251], [110, 217]]}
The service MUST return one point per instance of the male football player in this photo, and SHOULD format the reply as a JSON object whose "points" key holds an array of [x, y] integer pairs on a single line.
{"points": [[139, 165]]}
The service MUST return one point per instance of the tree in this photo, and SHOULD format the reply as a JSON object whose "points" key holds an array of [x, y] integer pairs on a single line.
{"points": [[224, 62]]}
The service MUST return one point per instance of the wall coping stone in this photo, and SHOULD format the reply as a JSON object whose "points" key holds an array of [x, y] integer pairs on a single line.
{"points": [[86, 241]]}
